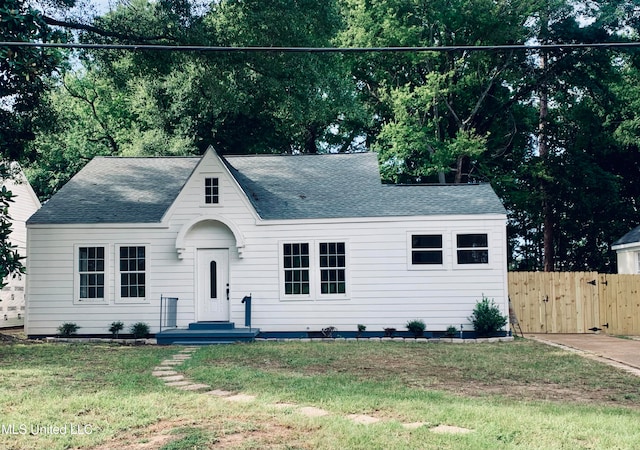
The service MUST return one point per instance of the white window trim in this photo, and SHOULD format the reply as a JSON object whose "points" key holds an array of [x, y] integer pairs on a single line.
{"points": [[445, 253], [203, 203], [281, 269], [76, 275], [454, 252], [314, 271], [347, 279], [638, 262], [117, 272]]}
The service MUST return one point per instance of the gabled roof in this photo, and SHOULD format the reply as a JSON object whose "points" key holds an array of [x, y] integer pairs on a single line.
{"points": [[631, 237], [280, 187], [118, 190]]}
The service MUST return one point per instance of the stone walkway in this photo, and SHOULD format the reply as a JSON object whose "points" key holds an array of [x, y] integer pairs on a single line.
{"points": [[167, 372]]}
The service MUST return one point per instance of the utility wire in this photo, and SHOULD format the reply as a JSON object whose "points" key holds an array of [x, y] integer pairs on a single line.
{"points": [[213, 49]]}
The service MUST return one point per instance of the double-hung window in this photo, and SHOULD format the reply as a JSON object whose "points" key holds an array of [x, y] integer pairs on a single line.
{"points": [[426, 250], [296, 269], [333, 268], [472, 248], [132, 268], [91, 271]]}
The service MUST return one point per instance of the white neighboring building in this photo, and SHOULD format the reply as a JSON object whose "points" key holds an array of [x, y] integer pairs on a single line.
{"points": [[12, 296], [628, 252], [317, 240]]}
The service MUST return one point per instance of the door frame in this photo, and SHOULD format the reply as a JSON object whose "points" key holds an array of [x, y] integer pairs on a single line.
{"points": [[208, 308]]}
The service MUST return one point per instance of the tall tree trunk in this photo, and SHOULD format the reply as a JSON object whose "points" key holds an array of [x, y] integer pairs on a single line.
{"points": [[548, 226]]}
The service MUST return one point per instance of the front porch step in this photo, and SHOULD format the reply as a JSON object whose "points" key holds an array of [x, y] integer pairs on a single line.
{"points": [[206, 336], [212, 326]]}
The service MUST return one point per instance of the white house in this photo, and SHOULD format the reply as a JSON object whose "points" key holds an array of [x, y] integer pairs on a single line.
{"points": [[628, 252], [316, 240], [25, 203]]}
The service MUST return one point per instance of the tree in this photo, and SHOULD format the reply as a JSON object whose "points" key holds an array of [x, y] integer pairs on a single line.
{"points": [[23, 79], [438, 112]]}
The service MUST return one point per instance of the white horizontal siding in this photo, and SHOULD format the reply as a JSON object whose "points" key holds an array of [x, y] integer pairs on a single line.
{"points": [[383, 289]]}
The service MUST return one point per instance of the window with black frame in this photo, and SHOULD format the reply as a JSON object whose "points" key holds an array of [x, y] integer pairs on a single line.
{"points": [[472, 248]]}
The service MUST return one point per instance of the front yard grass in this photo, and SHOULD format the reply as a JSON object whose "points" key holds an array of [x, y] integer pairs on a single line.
{"points": [[511, 395]]}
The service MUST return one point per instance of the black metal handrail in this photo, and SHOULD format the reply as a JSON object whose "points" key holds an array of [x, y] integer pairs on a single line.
{"points": [[247, 310]]}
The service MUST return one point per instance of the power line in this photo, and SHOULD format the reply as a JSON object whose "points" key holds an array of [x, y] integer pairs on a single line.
{"points": [[216, 49]]}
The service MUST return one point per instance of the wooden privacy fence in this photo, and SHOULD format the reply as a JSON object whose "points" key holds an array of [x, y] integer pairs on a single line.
{"points": [[575, 302]]}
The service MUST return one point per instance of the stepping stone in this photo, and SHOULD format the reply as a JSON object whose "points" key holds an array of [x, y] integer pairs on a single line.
{"points": [[450, 429], [283, 405], [178, 383], [165, 368], [181, 357], [240, 398], [171, 362], [220, 393], [188, 350], [173, 378], [414, 425], [194, 387], [163, 373], [363, 419], [312, 411]]}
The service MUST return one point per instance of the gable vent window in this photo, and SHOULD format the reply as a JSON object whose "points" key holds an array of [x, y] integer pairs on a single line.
{"points": [[426, 249], [332, 268], [296, 269], [91, 268], [132, 272], [472, 248], [211, 191]]}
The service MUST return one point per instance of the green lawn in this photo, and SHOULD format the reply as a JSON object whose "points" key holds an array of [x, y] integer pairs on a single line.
{"points": [[511, 395]]}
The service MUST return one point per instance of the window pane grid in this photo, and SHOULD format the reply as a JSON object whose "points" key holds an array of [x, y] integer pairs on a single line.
{"points": [[132, 272], [91, 270], [296, 269], [211, 190], [333, 268]]}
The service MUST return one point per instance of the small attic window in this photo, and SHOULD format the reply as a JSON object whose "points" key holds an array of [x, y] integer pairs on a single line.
{"points": [[211, 191]]}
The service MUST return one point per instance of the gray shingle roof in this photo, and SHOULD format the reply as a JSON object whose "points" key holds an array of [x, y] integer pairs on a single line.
{"points": [[140, 190], [118, 190], [631, 237], [347, 185]]}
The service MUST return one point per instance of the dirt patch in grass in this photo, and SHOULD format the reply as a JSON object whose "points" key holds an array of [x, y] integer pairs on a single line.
{"points": [[151, 437], [522, 370], [12, 336]]}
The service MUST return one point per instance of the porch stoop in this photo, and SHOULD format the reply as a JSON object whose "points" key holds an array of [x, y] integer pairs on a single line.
{"points": [[207, 333]]}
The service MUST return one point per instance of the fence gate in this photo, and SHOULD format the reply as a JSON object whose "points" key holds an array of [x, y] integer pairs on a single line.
{"points": [[576, 302]]}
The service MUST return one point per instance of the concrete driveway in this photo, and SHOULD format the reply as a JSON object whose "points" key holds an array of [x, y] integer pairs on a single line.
{"points": [[621, 353]]}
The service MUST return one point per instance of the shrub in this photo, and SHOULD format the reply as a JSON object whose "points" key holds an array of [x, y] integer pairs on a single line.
{"points": [[486, 317], [139, 330], [416, 326], [361, 328], [68, 328], [116, 328], [451, 331]]}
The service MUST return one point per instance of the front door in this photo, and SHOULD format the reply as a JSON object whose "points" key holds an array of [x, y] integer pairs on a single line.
{"points": [[213, 285]]}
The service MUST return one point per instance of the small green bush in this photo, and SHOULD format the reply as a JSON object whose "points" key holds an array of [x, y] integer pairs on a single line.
{"points": [[139, 330], [116, 328], [68, 328], [451, 331], [486, 317], [361, 328], [416, 326]]}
